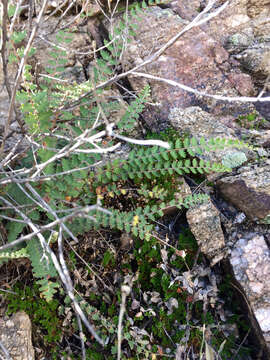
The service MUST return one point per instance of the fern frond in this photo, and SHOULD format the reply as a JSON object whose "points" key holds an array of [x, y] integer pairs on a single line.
{"points": [[5, 256], [139, 221], [43, 268], [135, 108], [155, 162]]}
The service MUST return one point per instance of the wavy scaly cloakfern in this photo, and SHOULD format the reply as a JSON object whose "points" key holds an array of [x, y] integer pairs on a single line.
{"points": [[40, 109]]}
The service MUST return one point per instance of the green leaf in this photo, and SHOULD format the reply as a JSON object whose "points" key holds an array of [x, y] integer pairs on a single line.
{"points": [[173, 154], [107, 258], [14, 228]]}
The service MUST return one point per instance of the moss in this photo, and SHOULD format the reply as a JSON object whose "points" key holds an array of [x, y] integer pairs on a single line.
{"points": [[43, 315]]}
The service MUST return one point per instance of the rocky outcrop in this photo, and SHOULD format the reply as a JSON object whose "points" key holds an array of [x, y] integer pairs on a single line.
{"points": [[196, 59], [208, 58], [15, 336]]}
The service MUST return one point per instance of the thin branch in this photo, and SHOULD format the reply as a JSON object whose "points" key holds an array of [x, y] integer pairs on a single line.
{"points": [[75, 18], [73, 2], [90, 52], [18, 8], [5, 351], [30, 15], [66, 150], [160, 143], [59, 221], [11, 156], [13, 179], [201, 93], [125, 291], [79, 322], [91, 269], [58, 8]]}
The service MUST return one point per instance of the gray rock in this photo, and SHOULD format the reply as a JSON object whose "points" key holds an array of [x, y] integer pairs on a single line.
{"points": [[249, 191], [250, 261], [15, 336], [205, 225]]}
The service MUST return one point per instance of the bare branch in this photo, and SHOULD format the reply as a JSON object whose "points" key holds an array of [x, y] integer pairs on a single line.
{"points": [[125, 291], [80, 211], [5, 351], [160, 143], [201, 93]]}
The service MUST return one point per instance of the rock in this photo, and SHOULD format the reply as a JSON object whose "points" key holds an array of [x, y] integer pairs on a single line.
{"points": [[242, 16], [243, 27], [233, 19], [75, 45], [196, 59], [260, 137], [238, 42], [15, 336], [250, 38], [250, 261], [205, 225], [249, 191], [264, 107], [242, 83], [258, 8], [185, 9], [256, 59], [199, 123]]}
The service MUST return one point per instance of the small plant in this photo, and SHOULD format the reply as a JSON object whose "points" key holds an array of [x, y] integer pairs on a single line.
{"points": [[251, 121]]}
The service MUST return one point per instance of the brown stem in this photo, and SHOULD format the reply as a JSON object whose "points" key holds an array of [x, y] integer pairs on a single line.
{"points": [[4, 43]]}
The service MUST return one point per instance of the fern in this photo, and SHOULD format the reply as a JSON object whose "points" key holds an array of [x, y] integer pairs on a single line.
{"points": [[134, 110], [156, 162], [139, 221], [5, 256], [43, 268]]}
